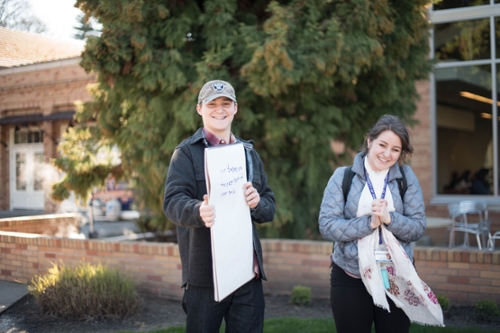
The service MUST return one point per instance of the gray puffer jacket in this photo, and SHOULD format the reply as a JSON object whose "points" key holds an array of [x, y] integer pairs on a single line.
{"points": [[338, 221]]}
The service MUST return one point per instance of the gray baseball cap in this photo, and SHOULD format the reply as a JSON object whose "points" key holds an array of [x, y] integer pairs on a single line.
{"points": [[214, 89]]}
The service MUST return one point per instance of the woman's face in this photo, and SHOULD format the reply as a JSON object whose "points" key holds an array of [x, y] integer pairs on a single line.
{"points": [[384, 151]]}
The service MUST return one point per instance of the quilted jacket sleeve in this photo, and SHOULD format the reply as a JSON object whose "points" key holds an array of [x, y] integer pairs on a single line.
{"points": [[333, 224], [410, 225]]}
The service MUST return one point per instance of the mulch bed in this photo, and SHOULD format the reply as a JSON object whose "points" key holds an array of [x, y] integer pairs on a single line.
{"points": [[157, 313]]}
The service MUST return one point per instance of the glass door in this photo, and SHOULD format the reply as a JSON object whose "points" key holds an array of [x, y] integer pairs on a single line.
{"points": [[26, 173]]}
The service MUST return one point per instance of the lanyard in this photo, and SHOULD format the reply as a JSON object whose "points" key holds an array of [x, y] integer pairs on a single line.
{"points": [[370, 185], [374, 196]]}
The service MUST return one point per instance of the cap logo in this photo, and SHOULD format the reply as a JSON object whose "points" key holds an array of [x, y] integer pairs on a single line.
{"points": [[218, 86]]}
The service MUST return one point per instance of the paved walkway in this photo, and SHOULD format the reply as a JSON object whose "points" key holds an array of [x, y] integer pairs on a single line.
{"points": [[111, 229], [103, 229], [10, 293], [20, 212]]}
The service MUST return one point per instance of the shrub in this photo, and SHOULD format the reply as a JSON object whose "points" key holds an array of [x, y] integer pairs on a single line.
{"points": [[444, 302], [486, 310], [301, 295], [86, 292]]}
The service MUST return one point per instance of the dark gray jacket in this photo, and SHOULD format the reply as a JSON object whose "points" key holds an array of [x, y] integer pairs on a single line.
{"points": [[338, 221], [184, 190]]}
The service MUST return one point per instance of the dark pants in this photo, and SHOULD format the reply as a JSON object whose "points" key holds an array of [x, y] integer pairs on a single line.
{"points": [[354, 311], [243, 310]]}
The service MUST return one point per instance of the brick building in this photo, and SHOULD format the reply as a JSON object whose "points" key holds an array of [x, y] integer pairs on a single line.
{"points": [[40, 79]]}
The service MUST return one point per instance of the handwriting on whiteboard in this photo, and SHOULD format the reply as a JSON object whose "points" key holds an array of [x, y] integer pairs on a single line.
{"points": [[231, 176]]}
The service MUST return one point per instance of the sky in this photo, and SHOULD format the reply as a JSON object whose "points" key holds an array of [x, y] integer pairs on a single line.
{"points": [[60, 16]]}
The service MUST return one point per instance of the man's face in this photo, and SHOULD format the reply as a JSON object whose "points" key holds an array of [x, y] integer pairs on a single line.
{"points": [[218, 115]]}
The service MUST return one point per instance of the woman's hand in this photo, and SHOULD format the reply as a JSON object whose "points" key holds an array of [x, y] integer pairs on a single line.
{"points": [[374, 222], [379, 209]]}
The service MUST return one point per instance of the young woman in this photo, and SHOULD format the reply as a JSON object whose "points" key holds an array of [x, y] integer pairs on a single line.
{"points": [[373, 202]]}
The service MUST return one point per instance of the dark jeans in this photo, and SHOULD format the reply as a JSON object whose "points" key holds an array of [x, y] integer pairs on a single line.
{"points": [[243, 310], [354, 311]]}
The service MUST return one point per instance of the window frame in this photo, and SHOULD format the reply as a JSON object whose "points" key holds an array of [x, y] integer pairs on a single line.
{"points": [[490, 11]]}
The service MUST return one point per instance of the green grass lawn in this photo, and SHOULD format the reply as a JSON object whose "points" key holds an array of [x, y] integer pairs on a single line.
{"points": [[296, 325]]}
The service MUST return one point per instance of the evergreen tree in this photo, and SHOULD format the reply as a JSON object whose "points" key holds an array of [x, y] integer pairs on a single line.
{"points": [[305, 73], [85, 28]]}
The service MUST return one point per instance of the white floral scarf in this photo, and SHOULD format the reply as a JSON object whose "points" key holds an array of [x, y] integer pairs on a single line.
{"points": [[406, 290]]}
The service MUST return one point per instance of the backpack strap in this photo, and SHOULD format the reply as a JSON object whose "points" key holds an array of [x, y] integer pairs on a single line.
{"points": [[349, 175], [402, 183], [346, 182]]}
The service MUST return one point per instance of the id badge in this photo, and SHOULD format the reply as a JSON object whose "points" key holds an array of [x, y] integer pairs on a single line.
{"points": [[382, 256]]}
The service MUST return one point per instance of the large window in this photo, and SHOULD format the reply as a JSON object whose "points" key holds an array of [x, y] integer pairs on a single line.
{"points": [[464, 40], [466, 47]]}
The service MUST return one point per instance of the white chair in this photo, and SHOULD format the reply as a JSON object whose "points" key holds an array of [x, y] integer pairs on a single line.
{"points": [[470, 217], [495, 236]]}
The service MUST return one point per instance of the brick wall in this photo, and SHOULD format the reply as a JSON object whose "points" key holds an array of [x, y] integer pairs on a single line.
{"points": [[438, 236], [154, 266], [44, 87], [421, 161], [463, 275], [290, 262], [4, 169], [60, 225]]}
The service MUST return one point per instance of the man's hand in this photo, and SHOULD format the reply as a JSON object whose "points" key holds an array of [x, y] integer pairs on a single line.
{"points": [[251, 195], [207, 212]]}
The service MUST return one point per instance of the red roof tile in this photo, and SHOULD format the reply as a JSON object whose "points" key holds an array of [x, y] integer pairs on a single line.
{"points": [[22, 48]]}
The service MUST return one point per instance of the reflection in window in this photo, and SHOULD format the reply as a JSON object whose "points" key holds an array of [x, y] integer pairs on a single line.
{"points": [[464, 40], [38, 171], [490, 147], [21, 171], [497, 34], [449, 4], [20, 137], [464, 129], [28, 136]]}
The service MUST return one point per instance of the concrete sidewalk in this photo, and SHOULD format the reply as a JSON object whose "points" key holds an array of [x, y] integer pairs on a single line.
{"points": [[111, 229], [20, 212], [10, 293], [103, 229]]}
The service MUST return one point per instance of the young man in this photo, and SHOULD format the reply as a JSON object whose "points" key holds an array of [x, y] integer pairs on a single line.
{"points": [[186, 204]]}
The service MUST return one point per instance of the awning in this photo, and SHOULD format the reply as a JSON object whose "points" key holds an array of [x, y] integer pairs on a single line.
{"points": [[35, 118]]}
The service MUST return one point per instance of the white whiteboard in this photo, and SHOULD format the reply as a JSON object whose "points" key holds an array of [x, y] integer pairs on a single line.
{"points": [[232, 244]]}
